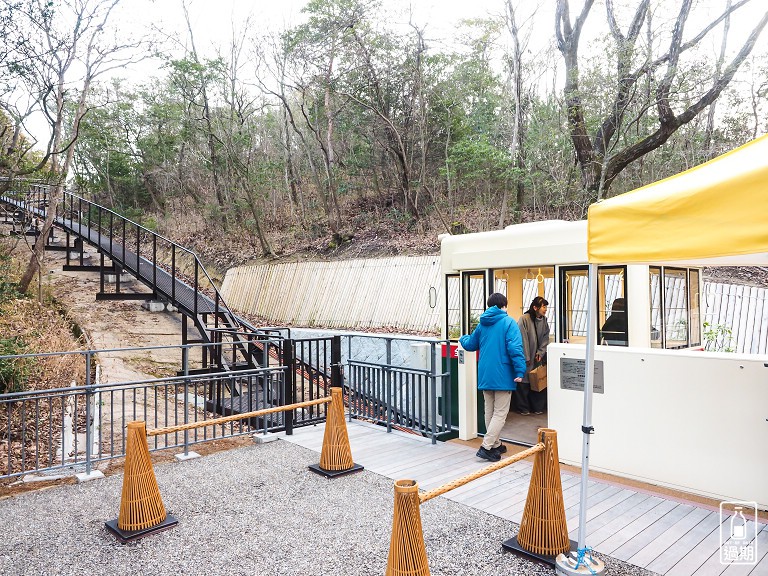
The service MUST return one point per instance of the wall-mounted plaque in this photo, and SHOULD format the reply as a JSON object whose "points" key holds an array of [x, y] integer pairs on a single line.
{"points": [[572, 375]]}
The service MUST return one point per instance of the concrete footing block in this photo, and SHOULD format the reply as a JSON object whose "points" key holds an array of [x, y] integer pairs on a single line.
{"points": [[85, 477], [153, 306], [262, 438], [188, 456], [29, 478], [112, 278]]}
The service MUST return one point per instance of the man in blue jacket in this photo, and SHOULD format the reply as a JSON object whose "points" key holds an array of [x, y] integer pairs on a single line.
{"points": [[501, 366]]}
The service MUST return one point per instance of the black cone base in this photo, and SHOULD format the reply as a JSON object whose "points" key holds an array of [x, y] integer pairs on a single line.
{"points": [[512, 545], [334, 473], [125, 536]]}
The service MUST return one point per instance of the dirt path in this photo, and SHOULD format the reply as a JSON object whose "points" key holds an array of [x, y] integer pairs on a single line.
{"points": [[116, 324]]}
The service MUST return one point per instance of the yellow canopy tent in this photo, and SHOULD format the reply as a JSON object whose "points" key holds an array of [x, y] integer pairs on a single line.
{"points": [[713, 214], [716, 213]]}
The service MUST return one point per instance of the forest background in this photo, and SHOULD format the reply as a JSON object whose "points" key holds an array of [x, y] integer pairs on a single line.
{"points": [[361, 131]]}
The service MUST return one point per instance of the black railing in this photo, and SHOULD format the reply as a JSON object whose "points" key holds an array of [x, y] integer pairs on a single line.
{"points": [[173, 273], [80, 426]]}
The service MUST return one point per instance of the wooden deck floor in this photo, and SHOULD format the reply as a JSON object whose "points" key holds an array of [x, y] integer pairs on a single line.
{"points": [[644, 529]]}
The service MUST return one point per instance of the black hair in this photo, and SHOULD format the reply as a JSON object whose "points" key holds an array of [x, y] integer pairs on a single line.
{"points": [[538, 302], [619, 305], [497, 299]]}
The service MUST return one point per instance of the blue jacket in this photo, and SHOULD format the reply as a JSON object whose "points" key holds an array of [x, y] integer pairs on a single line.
{"points": [[501, 350]]}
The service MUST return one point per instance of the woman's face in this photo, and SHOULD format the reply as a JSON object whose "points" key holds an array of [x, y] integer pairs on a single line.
{"points": [[541, 310]]}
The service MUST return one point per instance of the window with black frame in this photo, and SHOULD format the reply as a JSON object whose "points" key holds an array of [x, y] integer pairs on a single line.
{"points": [[574, 287], [475, 296], [453, 306], [675, 312], [611, 305]]}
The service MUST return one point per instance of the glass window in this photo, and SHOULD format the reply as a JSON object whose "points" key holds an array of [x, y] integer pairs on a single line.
{"points": [[573, 306], [453, 307], [541, 282], [500, 284], [675, 308], [574, 313], [475, 299], [695, 327], [612, 307], [656, 307]]}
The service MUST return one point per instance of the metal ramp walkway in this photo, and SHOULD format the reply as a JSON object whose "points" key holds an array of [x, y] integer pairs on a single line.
{"points": [[173, 273]]}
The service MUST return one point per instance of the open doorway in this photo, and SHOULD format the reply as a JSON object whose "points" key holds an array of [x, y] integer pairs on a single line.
{"points": [[521, 286]]}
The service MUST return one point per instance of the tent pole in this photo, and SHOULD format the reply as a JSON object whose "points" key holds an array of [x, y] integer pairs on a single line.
{"points": [[589, 376], [581, 562]]}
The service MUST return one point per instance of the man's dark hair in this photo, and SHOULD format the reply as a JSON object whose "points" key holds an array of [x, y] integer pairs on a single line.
{"points": [[497, 299]]}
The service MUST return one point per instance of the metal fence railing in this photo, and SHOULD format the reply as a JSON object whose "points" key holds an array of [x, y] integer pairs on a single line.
{"points": [[83, 424], [394, 381], [79, 426]]}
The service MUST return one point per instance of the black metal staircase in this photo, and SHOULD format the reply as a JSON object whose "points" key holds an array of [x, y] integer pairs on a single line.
{"points": [[173, 273], [175, 276]]}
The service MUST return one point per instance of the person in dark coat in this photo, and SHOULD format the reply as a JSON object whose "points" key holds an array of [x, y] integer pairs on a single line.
{"points": [[535, 332], [500, 367], [614, 331]]}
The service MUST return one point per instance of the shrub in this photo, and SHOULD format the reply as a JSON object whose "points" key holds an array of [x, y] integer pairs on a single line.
{"points": [[14, 372]]}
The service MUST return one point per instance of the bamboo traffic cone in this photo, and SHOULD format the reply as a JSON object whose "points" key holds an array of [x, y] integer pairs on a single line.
{"points": [[336, 455], [543, 530], [407, 554], [141, 507]]}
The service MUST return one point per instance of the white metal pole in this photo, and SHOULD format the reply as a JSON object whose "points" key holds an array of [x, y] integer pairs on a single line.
{"points": [[589, 374]]}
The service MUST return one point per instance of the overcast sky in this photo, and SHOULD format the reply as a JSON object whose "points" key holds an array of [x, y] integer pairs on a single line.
{"points": [[212, 22]]}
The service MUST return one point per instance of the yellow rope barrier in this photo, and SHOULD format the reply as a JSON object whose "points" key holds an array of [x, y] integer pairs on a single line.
{"points": [[223, 419], [480, 473]]}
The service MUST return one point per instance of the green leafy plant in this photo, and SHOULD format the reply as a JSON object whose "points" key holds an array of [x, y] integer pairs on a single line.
{"points": [[718, 338]]}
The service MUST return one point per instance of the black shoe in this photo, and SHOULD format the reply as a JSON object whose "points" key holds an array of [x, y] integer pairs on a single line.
{"points": [[500, 449], [539, 412], [524, 413], [490, 455]]}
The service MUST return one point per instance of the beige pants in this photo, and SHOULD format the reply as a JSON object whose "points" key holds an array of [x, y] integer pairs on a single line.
{"points": [[496, 410]]}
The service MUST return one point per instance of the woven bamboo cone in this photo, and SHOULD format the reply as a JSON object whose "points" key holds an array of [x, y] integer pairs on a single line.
{"points": [[336, 454], [543, 529], [407, 554], [141, 506]]}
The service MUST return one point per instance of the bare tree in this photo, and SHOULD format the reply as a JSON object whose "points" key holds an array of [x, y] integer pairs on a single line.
{"points": [[604, 154], [519, 41], [72, 32], [205, 109]]}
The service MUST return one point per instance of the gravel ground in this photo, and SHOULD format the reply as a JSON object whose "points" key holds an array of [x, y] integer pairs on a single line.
{"points": [[252, 510]]}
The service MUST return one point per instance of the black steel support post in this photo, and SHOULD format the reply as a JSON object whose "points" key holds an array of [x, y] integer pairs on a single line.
{"points": [[173, 274], [336, 381], [154, 265], [289, 379], [101, 272], [336, 362]]}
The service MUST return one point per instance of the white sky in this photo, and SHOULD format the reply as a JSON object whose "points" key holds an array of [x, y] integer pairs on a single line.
{"points": [[212, 20]]}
